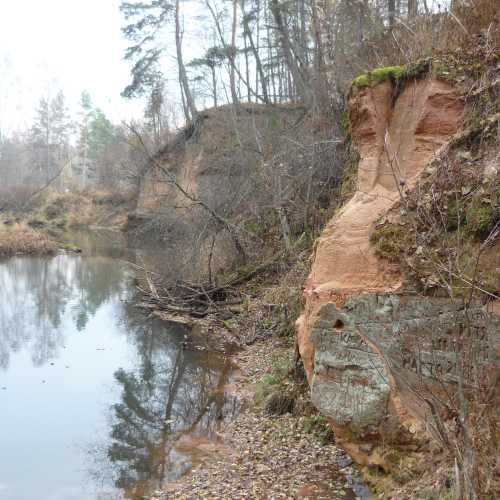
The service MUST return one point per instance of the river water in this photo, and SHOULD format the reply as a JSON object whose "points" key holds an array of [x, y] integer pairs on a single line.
{"points": [[95, 396]]}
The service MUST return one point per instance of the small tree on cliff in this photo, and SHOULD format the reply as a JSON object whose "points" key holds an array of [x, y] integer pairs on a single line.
{"points": [[211, 60]]}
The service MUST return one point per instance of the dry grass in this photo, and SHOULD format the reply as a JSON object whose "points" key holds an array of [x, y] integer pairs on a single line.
{"points": [[16, 197], [80, 209], [23, 241]]}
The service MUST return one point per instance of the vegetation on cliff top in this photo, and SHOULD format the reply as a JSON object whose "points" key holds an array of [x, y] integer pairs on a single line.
{"points": [[453, 213], [397, 75], [444, 234]]}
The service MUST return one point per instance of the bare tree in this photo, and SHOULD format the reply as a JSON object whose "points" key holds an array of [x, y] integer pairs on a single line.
{"points": [[190, 108]]}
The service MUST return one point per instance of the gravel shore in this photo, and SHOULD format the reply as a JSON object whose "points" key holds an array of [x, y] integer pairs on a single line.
{"points": [[264, 456]]}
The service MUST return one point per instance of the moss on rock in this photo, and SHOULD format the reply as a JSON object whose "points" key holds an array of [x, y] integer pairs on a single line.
{"points": [[379, 75], [396, 74], [390, 241]]}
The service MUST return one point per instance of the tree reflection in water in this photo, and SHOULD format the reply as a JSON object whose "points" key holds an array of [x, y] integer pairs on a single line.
{"points": [[171, 392], [164, 392], [49, 288]]}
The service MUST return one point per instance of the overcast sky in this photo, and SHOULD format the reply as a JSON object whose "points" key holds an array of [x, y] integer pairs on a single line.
{"points": [[73, 45]]}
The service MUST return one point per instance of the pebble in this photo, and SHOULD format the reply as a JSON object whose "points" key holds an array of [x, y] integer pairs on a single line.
{"points": [[268, 457]]}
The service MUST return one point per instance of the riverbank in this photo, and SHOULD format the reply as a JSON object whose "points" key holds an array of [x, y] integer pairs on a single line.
{"points": [[271, 450], [21, 240], [37, 229], [277, 446], [55, 211]]}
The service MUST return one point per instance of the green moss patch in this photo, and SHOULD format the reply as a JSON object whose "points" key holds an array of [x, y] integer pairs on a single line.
{"points": [[379, 75], [396, 74]]}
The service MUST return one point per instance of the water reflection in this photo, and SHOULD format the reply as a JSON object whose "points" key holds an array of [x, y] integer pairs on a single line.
{"points": [[170, 392], [35, 293], [101, 243], [79, 363]]}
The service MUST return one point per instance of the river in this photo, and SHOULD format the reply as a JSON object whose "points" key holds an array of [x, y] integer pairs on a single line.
{"points": [[94, 395]]}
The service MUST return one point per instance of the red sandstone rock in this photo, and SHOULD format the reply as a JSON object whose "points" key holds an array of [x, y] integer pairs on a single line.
{"points": [[395, 141]]}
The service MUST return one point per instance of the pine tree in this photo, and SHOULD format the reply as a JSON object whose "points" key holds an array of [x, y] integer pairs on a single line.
{"points": [[148, 20], [102, 136], [85, 113], [49, 137], [154, 111]]}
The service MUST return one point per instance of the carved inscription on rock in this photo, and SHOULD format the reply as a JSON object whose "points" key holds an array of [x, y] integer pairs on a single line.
{"points": [[426, 337], [349, 383], [357, 347]]}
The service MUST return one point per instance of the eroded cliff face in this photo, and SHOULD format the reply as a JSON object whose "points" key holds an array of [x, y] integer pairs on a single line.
{"points": [[236, 166], [354, 333], [214, 162], [212, 169]]}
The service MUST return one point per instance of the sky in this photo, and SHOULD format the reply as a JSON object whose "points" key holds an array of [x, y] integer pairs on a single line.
{"points": [[73, 45]]}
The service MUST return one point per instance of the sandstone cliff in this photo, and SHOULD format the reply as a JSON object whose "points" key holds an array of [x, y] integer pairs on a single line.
{"points": [[236, 185], [358, 324]]}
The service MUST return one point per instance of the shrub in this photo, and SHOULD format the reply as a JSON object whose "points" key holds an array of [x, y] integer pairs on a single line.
{"points": [[480, 218], [265, 385]]}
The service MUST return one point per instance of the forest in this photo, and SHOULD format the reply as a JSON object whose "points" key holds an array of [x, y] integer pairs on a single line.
{"points": [[271, 53]]}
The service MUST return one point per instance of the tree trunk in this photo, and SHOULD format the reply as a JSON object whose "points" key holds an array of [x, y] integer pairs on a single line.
{"points": [[214, 84], [245, 43], [257, 44], [291, 60], [303, 37], [412, 9], [183, 100], [232, 56], [190, 104], [258, 61], [318, 46], [227, 49], [391, 5]]}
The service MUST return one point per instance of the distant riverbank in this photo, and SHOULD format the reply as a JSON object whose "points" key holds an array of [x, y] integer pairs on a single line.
{"points": [[22, 240]]}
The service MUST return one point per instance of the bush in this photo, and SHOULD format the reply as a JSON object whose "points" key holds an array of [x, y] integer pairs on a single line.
{"points": [[280, 403], [114, 198], [480, 218], [265, 385], [15, 197]]}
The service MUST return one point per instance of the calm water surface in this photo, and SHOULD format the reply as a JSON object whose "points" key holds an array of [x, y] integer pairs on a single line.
{"points": [[93, 395]]}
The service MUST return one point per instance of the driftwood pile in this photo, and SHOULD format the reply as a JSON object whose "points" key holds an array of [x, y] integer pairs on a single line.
{"points": [[187, 299], [196, 300]]}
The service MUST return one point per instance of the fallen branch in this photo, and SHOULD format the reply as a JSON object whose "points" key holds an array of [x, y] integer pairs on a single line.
{"points": [[197, 299]]}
